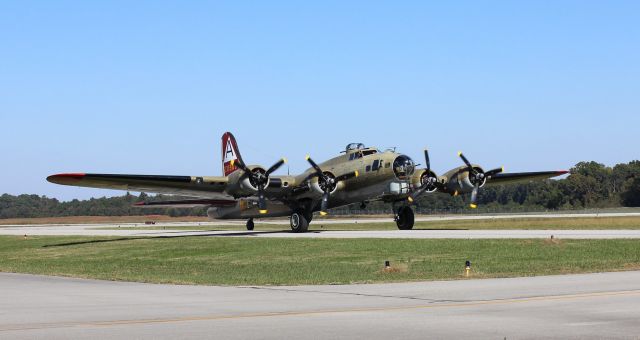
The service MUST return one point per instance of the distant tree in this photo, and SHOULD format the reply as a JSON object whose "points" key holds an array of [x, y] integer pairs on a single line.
{"points": [[631, 197]]}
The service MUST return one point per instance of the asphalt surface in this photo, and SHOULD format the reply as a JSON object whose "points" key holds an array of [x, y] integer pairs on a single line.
{"points": [[565, 307], [317, 232], [413, 234]]}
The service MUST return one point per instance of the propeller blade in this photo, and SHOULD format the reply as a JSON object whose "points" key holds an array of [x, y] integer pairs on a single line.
{"points": [[494, 172], [474, 196], [347, 176], [412, 197], [325, 203], [421, 189], [240, 165], [466, 161], [276, 166], [314, 165], [426, 158], [262, 204]]}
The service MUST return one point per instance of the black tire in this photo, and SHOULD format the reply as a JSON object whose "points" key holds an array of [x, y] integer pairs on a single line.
{"points": [[298, 222], [308, 216], [405, 218], [250, 224]]}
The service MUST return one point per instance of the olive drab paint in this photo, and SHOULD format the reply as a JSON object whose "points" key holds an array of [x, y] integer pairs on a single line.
{"points": [[359, 174]]}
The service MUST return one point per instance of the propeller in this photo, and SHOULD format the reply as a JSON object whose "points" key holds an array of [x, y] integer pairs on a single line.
{"points": [[327, 182], [477, 177], [259, 180], [430, 183]]}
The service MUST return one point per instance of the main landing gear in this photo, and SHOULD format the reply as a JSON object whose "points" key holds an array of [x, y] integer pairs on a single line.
{"points": [[405, 218], [299, 221], [250, 224]]}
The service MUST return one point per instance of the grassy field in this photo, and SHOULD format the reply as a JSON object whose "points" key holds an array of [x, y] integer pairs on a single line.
{"points": [[247, 261], [519, 223]]}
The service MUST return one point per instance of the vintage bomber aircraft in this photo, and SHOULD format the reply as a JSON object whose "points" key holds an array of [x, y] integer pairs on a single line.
{"points": [[361, 174]]}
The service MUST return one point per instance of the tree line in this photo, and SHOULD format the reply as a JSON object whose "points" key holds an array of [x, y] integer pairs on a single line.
{"points": [[590, 185], [25, 206]]}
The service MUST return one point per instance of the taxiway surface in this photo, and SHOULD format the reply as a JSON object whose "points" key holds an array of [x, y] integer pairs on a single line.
{"points": [[317, 232], [572, 306]]}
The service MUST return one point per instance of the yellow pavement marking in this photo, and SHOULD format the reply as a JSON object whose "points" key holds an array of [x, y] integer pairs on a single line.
{"points": [[320, 312]]}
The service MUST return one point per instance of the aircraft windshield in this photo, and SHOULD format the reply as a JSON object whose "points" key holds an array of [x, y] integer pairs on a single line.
{"points": [[354, 146]]}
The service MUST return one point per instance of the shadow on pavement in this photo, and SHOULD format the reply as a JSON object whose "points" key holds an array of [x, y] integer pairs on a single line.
{"points": [[136, 238]]}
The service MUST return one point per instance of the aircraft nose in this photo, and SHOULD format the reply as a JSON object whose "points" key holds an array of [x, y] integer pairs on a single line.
{"points": [[403, 167]]}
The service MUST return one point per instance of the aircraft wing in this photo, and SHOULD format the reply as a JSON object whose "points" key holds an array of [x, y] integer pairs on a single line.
{"points": [[189, 203], [519, 177], [204, 187]]}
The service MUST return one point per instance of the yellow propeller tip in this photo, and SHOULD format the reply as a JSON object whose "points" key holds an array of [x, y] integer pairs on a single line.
{"points": [[264, 211], [306, 158], [324, 213], [502, 169], [473, 206], [284, 160], [455, 193], [357, 173], [459, 153], [410, 199]]}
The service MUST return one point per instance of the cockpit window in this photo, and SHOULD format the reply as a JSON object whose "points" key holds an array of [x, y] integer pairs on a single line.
{"points": [[355, 155], [354, 146], [369, 152], [358, 150]]}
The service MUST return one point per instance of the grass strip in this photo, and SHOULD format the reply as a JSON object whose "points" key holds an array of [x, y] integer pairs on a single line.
{"points": [[280, 261]]}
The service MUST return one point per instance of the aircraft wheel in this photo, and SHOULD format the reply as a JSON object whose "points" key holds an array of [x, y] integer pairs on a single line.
{"points": [[299, 223], [250, 224], [308, 216], [405, 218]]}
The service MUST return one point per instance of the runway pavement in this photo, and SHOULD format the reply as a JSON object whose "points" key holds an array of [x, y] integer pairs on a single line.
{"points": [[317, 232], [573, 306], [390, 234], [333, 220]]}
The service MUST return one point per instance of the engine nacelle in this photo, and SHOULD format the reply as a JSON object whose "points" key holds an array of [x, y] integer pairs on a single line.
{"points": [[421, 176], [241, 185], [318, 188], [460, 181]]}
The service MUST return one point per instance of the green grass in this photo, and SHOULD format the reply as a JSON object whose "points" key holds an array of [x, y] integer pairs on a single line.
{"points": [[280, 261], [511, 223]]}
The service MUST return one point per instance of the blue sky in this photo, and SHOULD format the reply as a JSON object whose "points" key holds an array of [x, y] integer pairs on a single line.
{"points": [[150, 86]]}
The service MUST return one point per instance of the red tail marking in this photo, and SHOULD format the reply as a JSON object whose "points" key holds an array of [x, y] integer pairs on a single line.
{"points": [[230, 153]]}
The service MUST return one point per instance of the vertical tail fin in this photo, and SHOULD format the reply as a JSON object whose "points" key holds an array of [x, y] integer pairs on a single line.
{"points": [[230, 152]]}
